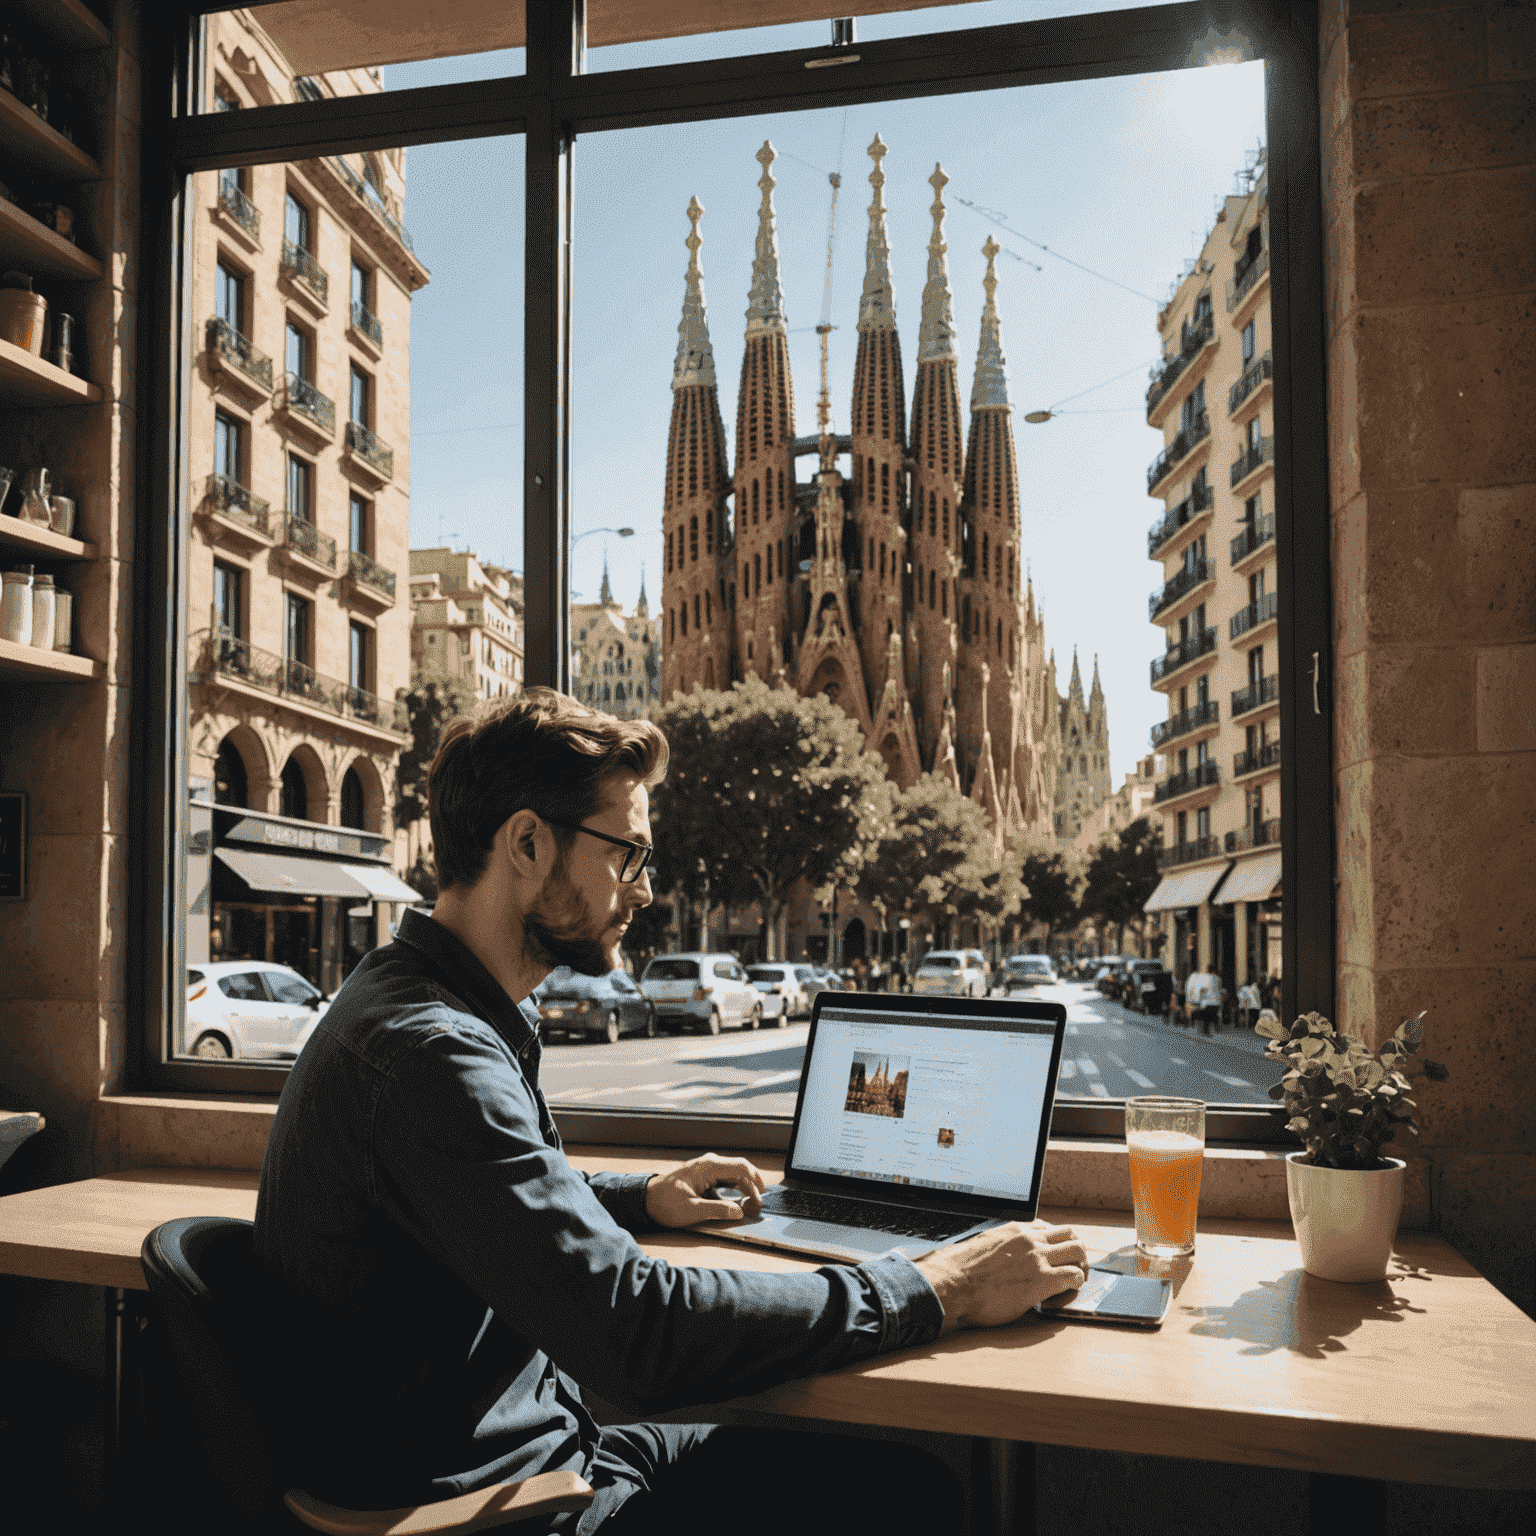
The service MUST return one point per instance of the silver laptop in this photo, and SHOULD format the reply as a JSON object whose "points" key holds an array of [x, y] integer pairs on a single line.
{"points": [[920, 1121]]}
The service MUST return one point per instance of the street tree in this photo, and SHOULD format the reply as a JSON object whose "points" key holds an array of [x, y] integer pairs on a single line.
{"points": [[432, 705], [1053, 879], [1122, 874]]}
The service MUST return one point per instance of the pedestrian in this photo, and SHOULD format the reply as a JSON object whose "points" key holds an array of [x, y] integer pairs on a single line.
{"points": [[1248, 1003], [1202, 999]]}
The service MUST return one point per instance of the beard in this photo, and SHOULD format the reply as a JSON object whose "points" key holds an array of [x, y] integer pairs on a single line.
{"points": [[562, 931]]}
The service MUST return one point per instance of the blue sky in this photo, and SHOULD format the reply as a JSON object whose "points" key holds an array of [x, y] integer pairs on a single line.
{"points": [[1121, 176]]}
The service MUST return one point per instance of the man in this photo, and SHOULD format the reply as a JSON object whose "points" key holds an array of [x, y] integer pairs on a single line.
{"points": [[1202, 997], [444, 1285]]}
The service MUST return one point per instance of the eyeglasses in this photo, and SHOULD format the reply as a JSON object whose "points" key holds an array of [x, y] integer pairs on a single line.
{"points": [[627, 876]]}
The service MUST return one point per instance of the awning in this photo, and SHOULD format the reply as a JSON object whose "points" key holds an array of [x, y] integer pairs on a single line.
{"points": [[285, 875], [1187, 888], [1251, 879], [380, 883]]}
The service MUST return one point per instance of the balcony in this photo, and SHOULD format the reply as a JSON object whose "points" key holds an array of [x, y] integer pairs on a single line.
{"points": [[1187, 720], [1182, 654], [1200, 499], [1189, 853], [367, 574], [1180, 585], [369, 451], [1260, 372], [235, 508], [306, 406], [1261, 834], [1255, 536], [1253, 460], [1204, 775], [300, 537], [228, 351], [1169, 372], [1184, 443], [1245, 279], [372, 199], [242, 662], [1267, 756], [366, 323], [245, 215], [1255, 614], [306, 272], [1256, 695]]}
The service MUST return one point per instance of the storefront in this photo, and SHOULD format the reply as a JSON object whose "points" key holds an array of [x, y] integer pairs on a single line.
{"points": [[1185, 895], [1251, 895]]}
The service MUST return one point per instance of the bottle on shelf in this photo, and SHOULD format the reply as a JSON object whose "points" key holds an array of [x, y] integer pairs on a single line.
{"points": [[43, 610], [34, 499], [63, 620], [16, 606]]}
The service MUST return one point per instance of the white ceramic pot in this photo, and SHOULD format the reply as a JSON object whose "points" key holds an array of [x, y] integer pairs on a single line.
{"points": [[1345, 1218]]}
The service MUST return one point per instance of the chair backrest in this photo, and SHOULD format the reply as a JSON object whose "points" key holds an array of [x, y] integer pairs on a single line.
{"points": [[202, 1281]]}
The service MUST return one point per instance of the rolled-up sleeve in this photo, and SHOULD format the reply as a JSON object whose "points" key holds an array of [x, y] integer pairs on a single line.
{"points": [[460, 1163]]}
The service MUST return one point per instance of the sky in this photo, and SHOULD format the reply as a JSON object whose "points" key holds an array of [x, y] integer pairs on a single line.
{"points": [[1120, 176]]}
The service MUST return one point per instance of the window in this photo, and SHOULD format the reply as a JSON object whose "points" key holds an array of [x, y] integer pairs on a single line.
{"points": [[296, 223], [298, 352], [361, 395], [301, 474], [297, 630], [1248, 341], [229, 446], [359, 522], [358, 675], [229, 297], [1255, 434], [362, 285], [228, 599]]}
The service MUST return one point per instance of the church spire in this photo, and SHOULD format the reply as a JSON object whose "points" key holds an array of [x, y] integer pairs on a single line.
{"points": [[1075, 687], [936, 338], [991, 385], [605, 597], [695, 357], [642, 607], [1098, 691], [877, 307], [765, 304]]}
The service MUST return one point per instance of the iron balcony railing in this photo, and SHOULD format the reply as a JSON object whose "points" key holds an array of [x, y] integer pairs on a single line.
{"points": [[1183, 444], [1166, 374], [1183, 653], [235, 658], [301, 397], [1263, 452], [365, 569], [1260, 371], [1202, 776], [1255, 535], [232, 500], [1255, 695], [1254, 614], [374, 201], [370, 449], [226, 342], [307, 89], [1187, 720], [1244, 279], [240, 208], [1181, 584], [303, 538], [1189, 852], [366, 323], [1199, 500], [297, 262], [1260, 834], [1267, 756]]}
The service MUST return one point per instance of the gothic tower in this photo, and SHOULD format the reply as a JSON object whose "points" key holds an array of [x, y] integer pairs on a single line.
{"points": [[1083, 782], [696, 634], [765, 460]]}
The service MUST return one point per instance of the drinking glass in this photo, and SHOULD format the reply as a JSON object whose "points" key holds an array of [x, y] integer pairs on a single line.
{"points": [[1166, 1142]]}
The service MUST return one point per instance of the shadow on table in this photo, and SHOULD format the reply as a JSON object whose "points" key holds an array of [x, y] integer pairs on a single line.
{"points": [[1127, 1261], [785, 1059], [1305, 1315]]}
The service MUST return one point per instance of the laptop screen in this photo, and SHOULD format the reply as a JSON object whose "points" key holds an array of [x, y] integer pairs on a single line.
{"points": [[946, 1101]]}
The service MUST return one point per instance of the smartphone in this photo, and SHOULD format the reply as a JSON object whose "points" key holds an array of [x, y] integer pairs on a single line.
{"points": [[1107, 1297]]}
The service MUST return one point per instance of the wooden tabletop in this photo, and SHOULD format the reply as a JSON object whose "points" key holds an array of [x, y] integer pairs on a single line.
{"points": [[1425, 1377]]}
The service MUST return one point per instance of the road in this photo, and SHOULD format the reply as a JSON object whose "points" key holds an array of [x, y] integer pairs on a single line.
{"points": [[1110, 1053]]}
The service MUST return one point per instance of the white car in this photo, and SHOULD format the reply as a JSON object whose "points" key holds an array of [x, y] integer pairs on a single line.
{"points": [[787, 989], [249, 1008], [1024, 971], [952, 973], [701, 991]]}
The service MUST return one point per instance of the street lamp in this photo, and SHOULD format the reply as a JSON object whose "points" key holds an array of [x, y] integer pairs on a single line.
{"points": [[623, 533]]}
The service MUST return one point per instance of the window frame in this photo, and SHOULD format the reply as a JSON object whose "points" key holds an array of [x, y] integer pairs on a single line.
{"points": [[553, 104]]}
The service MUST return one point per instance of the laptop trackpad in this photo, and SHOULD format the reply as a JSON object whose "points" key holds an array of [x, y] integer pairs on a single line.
{"points": [[843, 1237]]}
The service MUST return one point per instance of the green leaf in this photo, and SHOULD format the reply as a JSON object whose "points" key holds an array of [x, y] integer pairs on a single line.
{"points": [[1270, 1029]]}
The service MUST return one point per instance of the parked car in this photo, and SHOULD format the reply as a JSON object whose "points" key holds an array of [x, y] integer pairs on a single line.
{"points": [[786, 989], [595, 1007], [249, 1008], [952, 973], [1110, 975], [827, 981], [701, 991], [1021, 972], [1148, 986]]}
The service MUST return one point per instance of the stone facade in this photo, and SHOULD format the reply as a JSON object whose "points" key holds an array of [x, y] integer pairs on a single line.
{"points": [[466, 622], [615, 656], [1082, 781]]}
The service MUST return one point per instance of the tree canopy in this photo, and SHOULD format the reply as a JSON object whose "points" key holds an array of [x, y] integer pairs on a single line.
{"points": [[1053, 878], [432, 705], [1122, 874]]}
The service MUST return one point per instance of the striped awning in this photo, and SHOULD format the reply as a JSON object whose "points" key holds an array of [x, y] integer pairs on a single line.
{"points": [[1186, 888], [1251, 879]]}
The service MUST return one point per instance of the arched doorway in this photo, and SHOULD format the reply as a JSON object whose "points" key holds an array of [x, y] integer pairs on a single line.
{"points": [[293, 797], [231, 786], [354, 803]]}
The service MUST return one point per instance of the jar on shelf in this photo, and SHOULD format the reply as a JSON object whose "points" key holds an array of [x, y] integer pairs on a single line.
{"points": [[43, 609], [61, 515], [22, 313], [63, 620], [16, 606], [34, 499]]}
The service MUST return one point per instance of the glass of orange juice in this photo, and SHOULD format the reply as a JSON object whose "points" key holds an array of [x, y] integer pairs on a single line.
{"points": [[1166, 1142]]}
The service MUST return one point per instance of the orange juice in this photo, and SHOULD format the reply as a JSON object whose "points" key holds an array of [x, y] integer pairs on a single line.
{"points": [[1165, 1189]]}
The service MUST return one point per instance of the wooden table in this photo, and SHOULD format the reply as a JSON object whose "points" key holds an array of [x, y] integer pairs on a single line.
{"points": [[1423, 1378]]}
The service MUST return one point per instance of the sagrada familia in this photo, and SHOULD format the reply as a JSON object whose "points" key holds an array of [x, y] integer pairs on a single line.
{"points": [[897, 586]]}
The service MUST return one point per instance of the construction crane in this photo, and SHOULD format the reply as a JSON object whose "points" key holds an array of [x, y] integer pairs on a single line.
{"points": [[825, 328]]}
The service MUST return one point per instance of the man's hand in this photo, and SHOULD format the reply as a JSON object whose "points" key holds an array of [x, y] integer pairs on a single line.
{"points": [[674, 1199], [998, 1275]]}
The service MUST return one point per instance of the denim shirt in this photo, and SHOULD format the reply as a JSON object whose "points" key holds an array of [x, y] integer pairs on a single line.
{"points": [[440, 1278]]}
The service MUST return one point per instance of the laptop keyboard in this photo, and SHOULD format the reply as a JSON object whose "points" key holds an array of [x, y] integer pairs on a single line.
{"points": [[933, 1226]]}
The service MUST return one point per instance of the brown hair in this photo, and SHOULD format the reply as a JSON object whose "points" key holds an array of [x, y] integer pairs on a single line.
{"points": [[539, 751]]}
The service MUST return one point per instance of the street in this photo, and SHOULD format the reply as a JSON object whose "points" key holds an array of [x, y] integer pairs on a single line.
{"points": [[1110, 1053]]}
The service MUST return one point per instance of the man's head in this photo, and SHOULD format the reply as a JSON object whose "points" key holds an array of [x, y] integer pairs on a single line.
{"points": [[535, 805]]}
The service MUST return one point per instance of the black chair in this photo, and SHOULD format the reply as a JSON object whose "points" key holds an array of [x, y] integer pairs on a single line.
{"points": [[201, 1275]]}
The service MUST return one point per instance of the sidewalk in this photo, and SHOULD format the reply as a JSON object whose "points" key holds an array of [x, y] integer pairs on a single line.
{"points": [[1234, 1036]]}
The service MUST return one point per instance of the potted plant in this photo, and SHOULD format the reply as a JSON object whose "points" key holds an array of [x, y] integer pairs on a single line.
{"points": [[1345, 1102]]}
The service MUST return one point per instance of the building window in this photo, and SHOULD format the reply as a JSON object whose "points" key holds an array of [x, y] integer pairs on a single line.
{"points": [[361, 397], [300, 483], [229, 599], [229, 447], [297, 226], [1248, 342], [298, 353], [296, 632], [359, 525], [362, 285], [229, 297], [359, 647]]}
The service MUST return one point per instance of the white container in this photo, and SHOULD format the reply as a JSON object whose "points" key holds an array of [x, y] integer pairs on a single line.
{"points": [[1345, 1218], [16, 606], [43, 609], [34, 499], [63, 620]]}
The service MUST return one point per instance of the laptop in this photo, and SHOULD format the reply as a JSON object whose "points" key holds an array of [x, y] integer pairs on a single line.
{"points": [[920, 1121]]}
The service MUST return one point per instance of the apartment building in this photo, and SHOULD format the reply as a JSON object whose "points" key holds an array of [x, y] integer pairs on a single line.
{"points": [[1112, 815], [1216, 603], [466, 621], [616, 656]]}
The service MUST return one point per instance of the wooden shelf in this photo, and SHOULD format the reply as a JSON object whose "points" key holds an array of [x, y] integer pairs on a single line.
{"points": [[68, 21], [33, 247], [47, 666], [28, 380], [42, 147], [15, 534]]}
